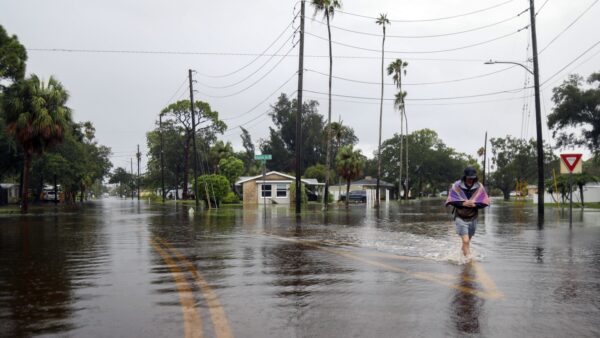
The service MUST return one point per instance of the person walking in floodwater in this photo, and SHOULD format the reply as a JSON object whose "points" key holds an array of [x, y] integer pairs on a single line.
{"points": [[467, 196]]}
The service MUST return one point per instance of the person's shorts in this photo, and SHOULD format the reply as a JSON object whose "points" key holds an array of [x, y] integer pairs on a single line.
{"points": [[465, 227]]}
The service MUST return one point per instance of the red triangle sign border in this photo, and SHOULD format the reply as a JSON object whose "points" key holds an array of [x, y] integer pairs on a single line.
{"points": [[567, 158]]}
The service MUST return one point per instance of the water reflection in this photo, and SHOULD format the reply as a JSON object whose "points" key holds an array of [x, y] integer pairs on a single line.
{"points": [[466, 308]]}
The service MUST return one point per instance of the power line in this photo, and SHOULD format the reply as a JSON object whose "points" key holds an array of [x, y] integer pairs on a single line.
{"points": [[414, 83], [424, 36], [252, 84], [516, 90], [569, 26], [254, 72], [263, 101], [421, 52], [257, 56], [437, 104], [159, 52], [542, 7], [570, 63], [430, 19]]}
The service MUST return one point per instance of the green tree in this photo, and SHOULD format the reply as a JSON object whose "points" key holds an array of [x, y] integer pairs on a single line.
{"points": [[342, 135], [124, 179], [37, 117], [382, 21], [13, 57], [173, 138], [232, 168], [349, 164], [216, 187], [317, 171], [515, 160], [219, 151], [577, 108], [328, 8], [282, 138], [249, 151], [208, 126]]}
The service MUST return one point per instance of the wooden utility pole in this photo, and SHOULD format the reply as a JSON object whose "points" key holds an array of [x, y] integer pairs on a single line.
{"points": [[538, 116], [139, 156], [162, 159], [194, 139], [131, 171], [299, 115]]}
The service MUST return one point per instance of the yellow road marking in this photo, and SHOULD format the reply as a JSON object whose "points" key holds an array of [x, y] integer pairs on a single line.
{"points": [[490, 293], [192, 324], [217, 313]]}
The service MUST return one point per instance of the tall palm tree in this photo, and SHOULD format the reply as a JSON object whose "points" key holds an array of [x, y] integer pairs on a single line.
{"points": [[328, 8], [396, 69], [349, 164], [382, 21], [37, 117]]}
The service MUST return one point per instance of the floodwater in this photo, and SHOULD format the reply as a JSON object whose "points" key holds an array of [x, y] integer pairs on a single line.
{"points": [[119, 268]]}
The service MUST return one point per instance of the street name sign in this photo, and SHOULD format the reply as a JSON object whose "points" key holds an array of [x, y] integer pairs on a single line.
{"points": [[263, 157], [570, 163]]}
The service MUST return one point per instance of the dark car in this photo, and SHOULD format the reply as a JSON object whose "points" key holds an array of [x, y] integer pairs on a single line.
{"points": [[356, 196]]}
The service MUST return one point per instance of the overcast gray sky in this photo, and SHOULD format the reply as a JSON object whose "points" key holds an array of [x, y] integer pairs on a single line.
{"points": [[122, 93]]}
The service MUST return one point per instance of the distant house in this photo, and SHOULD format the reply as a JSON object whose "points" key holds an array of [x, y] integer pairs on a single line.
{"points": [[9, 193], [274, 189], [368, 184]]}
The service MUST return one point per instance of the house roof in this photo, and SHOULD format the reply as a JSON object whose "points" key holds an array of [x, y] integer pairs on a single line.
{"points": [[308, 181], [371, 182]]}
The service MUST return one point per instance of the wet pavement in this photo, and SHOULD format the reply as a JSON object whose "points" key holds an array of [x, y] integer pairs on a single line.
{"points": [[119, 268]]}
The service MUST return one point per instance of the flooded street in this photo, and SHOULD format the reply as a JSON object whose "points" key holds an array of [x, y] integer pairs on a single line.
{"points": [[123, 268]]}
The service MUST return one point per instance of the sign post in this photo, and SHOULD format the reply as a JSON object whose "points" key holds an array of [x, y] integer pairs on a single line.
{"points": [[570, 163], [264, 158]]}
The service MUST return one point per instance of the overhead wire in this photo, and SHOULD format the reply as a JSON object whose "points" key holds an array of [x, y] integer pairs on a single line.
{"points": [[424, 36], [568, 26], [414, 83], [254, 72], [570, 63], [252, 84], [429, 19], [421, 52], [257, 56]]}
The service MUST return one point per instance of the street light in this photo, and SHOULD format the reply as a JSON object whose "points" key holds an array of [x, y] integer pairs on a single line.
{"points": [[538, 126]]}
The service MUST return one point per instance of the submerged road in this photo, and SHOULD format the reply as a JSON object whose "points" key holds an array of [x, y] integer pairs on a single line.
{"points": [[127, 269]]}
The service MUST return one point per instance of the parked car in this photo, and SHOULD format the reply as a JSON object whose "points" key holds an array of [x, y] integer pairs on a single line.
{"points": [[356, 196]]}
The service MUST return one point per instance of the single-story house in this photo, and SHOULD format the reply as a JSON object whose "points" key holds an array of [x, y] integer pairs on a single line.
{"points": [[9, 193], [274, 188], [368, 184]]}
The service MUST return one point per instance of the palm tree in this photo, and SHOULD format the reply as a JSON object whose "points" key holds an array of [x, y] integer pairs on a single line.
{"points": [[37, 117], [328, 8], [396, 68], [349, 165], [382, 21]]}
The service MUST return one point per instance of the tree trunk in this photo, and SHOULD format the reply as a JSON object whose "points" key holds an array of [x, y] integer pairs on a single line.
{"points": [[81, 193], [347, 193], [400, 189], [506, 194], [24, 188], [580, 186], [377, 199], [55, 191], [328, 150], [406, 191], [186, 155]]}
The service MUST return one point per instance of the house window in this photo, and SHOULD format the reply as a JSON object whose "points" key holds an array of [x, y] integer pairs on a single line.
{"points": [[282, 190], [265, 190]]}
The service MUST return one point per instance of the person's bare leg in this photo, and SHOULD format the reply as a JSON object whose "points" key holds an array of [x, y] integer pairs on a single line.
{"points": [[466, 249]]}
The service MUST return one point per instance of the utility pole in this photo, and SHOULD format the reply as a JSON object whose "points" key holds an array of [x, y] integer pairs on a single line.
{"points": [[162, 160], [484, 157], [139, 156], [299, 115], [131, 171], [538, 116], [194, 139]]}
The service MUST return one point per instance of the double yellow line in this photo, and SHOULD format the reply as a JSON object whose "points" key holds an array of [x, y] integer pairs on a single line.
{"points": [[192, 322]]}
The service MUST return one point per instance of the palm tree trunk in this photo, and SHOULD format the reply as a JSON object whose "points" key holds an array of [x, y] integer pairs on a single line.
{"points": [[401, 154], [380, 122], [328, 151], [347, 193], [24, 188], [407, 183]]}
